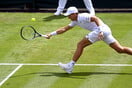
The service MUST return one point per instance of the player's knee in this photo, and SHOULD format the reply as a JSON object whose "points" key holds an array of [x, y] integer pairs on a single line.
{"points": [[80, 45], [120, 51]]}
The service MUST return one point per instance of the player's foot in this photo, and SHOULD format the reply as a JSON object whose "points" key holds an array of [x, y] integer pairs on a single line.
{"points": [[57, 13], [67, 67]]}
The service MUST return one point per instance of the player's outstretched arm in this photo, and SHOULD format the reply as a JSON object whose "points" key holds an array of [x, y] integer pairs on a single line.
{"points": [[58, 31]]}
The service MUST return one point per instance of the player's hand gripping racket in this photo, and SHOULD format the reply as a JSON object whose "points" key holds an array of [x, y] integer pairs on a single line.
{"points": [[29, 33]]}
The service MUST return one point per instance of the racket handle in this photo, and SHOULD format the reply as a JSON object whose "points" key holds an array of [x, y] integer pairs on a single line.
{"points": [[44, 36]]}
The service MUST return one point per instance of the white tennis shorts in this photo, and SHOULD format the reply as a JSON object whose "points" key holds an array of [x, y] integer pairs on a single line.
{"points": [[108, 38]]}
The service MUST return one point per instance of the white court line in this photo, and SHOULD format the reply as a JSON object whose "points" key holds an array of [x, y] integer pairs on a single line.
{"points": [[18, 67], [76, 64], [21, 64]]}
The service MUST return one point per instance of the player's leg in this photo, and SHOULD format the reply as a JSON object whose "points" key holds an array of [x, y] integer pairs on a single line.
{"points": [[80, 47], [86, 41], [113, 43], [61, 6], [121, 49], [89, 6]]}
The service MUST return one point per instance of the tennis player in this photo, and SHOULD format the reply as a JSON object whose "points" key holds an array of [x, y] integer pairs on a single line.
{"points": [[99, 31], [62, 3]]}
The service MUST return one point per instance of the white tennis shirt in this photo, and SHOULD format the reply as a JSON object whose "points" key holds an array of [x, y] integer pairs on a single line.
{"points": [[83, 21]]}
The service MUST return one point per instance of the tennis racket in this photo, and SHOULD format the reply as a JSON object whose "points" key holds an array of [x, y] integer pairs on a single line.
{"points": [[29, 33]]}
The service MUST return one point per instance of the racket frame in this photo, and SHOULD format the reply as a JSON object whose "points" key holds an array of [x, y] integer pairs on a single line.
{"points": [[35, 35]]}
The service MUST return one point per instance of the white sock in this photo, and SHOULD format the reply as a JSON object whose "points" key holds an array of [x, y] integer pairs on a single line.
{"points": [[72, 63]]}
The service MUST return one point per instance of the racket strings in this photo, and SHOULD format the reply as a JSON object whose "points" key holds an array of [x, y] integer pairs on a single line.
{"points": [[28, 33]]}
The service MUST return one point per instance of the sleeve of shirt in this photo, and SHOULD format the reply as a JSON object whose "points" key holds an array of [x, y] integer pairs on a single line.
{"points": [[85, 17], [72, 24]]}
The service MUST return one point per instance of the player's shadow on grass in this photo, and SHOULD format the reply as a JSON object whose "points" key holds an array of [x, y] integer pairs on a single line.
{"points": [[75, 75], [53, 17], [82, 75]]}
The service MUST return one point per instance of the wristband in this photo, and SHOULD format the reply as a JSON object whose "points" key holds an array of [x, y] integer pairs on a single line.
{"points": [[53, 33]]}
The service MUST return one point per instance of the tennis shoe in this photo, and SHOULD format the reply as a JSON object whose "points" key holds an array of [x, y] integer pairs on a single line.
{"points": [[66, 67]]}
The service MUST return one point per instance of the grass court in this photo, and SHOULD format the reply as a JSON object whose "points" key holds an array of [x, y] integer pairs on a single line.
{"points": [[33, 64]]}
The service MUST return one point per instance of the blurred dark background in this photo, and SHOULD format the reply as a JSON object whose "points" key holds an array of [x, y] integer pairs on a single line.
{"points": [[46, 4]]}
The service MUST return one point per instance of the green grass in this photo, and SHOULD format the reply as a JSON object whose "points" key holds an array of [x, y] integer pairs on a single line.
{"points": [[60, 48]]}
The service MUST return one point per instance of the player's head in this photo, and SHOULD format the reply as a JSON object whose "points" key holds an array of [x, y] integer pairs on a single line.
{"points": [[72, 13], [71, 10]]}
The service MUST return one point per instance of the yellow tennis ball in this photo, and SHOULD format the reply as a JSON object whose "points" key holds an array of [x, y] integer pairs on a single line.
{"points": [[33, 19]]}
